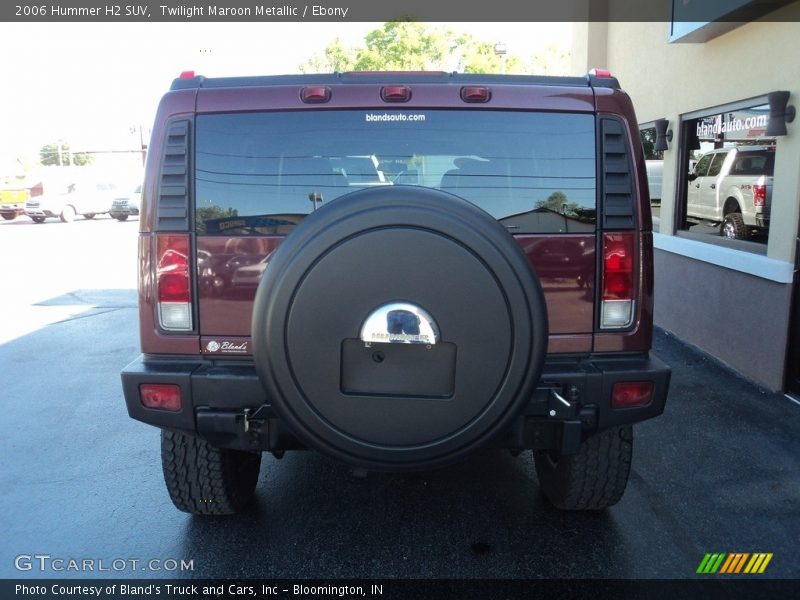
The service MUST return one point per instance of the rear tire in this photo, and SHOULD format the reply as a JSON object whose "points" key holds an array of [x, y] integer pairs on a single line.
{"points": [[593, 479], [67, 214], [9, 216], [121, 218], [205, 480], [88, 215], [733, 227], [38, 219]]}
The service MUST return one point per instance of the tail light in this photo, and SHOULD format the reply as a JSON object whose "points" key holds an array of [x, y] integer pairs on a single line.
{"points": [[630, 394], [759, 195], [174, 283], [616, 308]]}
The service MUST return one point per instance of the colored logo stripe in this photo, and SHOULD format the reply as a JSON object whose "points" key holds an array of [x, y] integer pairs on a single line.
{"points": [[710, 563], [758, 563], [734, 563]]}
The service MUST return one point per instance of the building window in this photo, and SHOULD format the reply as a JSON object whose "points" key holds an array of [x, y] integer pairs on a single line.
{"points": [[654, 159], [727, 167]]}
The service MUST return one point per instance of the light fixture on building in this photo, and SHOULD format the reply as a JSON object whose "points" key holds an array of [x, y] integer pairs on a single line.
{"points": [[662, 135], [779, 113]]}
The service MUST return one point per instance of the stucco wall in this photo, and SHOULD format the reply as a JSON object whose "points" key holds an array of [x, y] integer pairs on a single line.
{"points": [[741, 318], [666, 80], [728, 314]]}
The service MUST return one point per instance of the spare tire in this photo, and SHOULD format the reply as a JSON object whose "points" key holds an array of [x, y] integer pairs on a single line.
{"points": [[399, 328]]}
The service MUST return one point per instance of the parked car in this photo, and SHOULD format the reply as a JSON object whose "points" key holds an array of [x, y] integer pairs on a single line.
{"points": [[733, 186], [505, 300], [655, 179], [14, 195], [79, 198], [125, 206]]}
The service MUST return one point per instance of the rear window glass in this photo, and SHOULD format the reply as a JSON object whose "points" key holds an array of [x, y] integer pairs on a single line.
{"points": [[260, 173], [754, 163]]}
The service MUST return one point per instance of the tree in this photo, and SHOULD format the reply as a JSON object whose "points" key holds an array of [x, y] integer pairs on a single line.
{"points": [[58, 153], [555, 202], [480, 57], [82, 159], [552, 61], [335, 58], [410, 46], [558, 202], [649, 144]]}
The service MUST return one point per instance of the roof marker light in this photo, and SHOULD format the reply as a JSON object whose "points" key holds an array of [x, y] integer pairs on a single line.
{"points": [[396, 93], [475, 93], [187, 75], [600, 72], [315, 94]]}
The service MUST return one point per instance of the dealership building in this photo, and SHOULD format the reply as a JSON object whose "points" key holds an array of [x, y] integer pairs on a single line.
{"points": [[715, 103]]}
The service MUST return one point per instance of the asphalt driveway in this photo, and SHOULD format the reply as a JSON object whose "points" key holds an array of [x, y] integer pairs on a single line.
{"points": [[718, 472]]}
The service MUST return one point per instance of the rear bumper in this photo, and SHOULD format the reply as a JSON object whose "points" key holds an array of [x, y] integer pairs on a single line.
{"points": [[224, 402], [123, 212], [40, 212]]}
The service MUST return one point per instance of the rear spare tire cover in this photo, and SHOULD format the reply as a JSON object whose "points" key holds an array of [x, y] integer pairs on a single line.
{"points": [[399, 328]]}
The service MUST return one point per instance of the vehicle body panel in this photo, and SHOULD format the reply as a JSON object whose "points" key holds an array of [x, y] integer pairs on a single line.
{"points": [[228, 311], [565, 266]]}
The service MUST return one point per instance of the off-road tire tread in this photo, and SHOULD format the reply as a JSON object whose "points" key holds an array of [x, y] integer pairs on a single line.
{"points": [[593, 479], [742, 232], [205, 480]]}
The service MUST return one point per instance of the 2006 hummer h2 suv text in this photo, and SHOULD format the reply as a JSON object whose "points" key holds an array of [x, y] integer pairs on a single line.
{"points": [[490, 283]]}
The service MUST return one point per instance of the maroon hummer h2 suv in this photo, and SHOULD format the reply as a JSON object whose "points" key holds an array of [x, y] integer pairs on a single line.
{"points": [[396, 270]]}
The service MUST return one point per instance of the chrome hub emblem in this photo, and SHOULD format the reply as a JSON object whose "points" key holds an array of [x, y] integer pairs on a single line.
{"points": [[400, 323]]}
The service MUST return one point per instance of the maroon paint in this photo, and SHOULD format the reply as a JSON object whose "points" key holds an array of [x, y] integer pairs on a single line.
{"points": [[565, 265], [513, 97], [568, 286]]}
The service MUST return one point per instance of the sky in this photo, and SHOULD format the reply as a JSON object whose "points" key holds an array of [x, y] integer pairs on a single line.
{"points": [[95, 84]]}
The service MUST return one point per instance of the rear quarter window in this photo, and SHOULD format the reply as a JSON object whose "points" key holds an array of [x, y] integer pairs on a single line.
{"points": [[754, 163]]}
